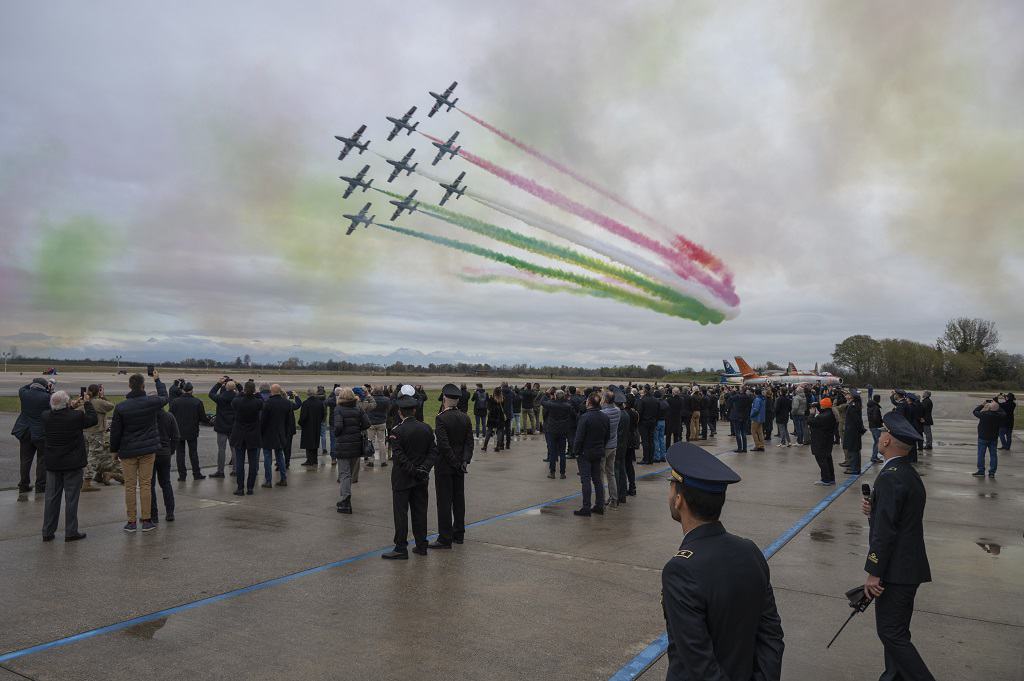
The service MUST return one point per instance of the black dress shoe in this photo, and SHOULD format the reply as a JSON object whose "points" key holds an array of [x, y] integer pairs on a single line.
{"points": [[238, 493], [74, 537], [631, 492], [395, 555], [347, 510], [458, 540], [420, 550], [48, 537], [169, 517], [597, 510], [562, 476], [199, 477], [181, 478], [248, 491], [282, 483], [582, 512], [266, 485], [438, 545], [217, 475]]}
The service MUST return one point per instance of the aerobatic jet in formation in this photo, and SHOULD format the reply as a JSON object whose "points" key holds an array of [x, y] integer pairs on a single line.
{"points": [[453, 188], [405, 204], [442, 100], [402, 124], [356, 182], [360, 219], [352, 142], [402, 165], [446, 148]]}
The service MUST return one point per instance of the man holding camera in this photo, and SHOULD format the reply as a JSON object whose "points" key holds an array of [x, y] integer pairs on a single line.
{"points": [[223, 394], [65, 457], [897, 563], [28, 429]]}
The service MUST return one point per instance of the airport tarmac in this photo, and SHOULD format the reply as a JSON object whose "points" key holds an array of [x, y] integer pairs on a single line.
{"points": [[279, 586]]}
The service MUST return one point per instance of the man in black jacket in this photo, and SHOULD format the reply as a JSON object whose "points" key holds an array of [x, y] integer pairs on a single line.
{"points": [[926, 418], [65, 457], [454, 433], [223, 393], [674, 420], [413, 453], [897, 563], [274, 435], [480, 410], [28, 429], [739, 417], [593, 432], [135, 439], [990, 418], [188, 412], [559, 422], [649, 408]]}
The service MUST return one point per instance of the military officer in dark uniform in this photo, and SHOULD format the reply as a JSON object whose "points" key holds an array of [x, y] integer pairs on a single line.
{"points": [[454, 433], [897, 564], [716, 592], [413, 452]]}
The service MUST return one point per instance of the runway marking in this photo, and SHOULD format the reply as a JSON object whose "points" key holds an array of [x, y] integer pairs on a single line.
{"points": [[259, 586], [656, 648]]}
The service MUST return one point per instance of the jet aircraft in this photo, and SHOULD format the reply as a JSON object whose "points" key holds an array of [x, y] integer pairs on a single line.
{"points": [[360, 219], [402, 165], [453, 188], [402, 124], [442, 100], [405, 204], [352, 142], [355, 182], [751, 377], [446, 148]]}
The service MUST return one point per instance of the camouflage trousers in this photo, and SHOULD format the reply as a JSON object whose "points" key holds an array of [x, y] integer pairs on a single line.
{"points": [[100, 459]]}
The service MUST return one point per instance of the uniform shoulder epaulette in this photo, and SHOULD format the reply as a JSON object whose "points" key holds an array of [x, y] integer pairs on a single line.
{"points": [[684, 553]]}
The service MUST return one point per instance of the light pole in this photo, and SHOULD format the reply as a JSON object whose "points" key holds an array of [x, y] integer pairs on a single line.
{"points": [[6, 355], [118, 359]]}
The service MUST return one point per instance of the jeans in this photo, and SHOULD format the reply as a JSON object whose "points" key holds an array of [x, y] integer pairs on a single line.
{"points": [[278, 456], [608, 474], [253, 456], [627, 463], [161, 475], [331, 450], [323, 435], [993, 458], [481, 424], [68, 484], [32, 449], [345, 468], [517, 424], [557, 445], [783, 434], [590, 472], [875, 434], [193, 457], [222, 444], [138, 471], [798, 428], [1005, 436], [659, 441], [621, 478], [740, 431]]}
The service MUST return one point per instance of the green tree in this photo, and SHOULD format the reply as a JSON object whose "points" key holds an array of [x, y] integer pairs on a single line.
{"points": [[859, 355], [964, 335]]}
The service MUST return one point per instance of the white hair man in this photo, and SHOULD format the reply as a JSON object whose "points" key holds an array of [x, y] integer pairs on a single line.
{"points": [[65, 456]]}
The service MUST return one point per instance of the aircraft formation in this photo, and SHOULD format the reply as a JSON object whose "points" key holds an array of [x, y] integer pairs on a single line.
{"points": [[791, 376], [405, 165]]}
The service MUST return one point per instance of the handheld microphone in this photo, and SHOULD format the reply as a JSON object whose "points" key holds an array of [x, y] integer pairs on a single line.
{"points": [[865, 490]]}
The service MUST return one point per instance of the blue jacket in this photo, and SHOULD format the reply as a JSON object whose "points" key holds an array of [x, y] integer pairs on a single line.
{"points": [[35, 399], [133, 430], [757, 409]]}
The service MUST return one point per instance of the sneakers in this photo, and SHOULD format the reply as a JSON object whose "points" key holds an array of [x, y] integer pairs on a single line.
{"points": [[282, 483], [266, 485], [562, 476], [148, 525], [822, 483], [978, 474], [551, 475], [991, 474], [130, 527]]}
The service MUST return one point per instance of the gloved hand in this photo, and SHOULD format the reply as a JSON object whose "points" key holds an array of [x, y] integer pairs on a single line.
{"points": [[421, 473]]}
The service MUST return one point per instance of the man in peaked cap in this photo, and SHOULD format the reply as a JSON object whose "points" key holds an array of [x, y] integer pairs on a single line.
{"points": [[897, 564], [716, 592], [413, 451], [454, 432]]}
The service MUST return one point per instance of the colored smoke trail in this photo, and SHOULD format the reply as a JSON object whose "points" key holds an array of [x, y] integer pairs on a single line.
{"points": [[691, 249], [687, 310], [546, 248], [677, 261], [526, 281], [593, 243]]}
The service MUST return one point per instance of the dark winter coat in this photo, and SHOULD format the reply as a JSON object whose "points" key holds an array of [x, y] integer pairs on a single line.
{"points": [[311, 417], [558, 418], [592, 433], [674, 422], [528, 396], [65, 443], [926, 411], [350, 422], [495, 413], [274, 422], [35, 399], [740, 408], [782, 406], [133, 430], [822, 427], [989, 422], [854, 427], [167, 426], [648, 408], [379, 413], [874, 414], [188, 412], [246, 430], [480, 399], [224, 419]]}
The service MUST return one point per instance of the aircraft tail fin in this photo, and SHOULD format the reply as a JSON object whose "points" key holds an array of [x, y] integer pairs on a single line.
{"points": [[791, 369], [728, 367], [815, 367], [414, 126], [745, 368]]}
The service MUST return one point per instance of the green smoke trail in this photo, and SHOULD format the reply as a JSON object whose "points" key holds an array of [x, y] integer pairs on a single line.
{"points": [[564, 254], [690, 309], [532, 285]]}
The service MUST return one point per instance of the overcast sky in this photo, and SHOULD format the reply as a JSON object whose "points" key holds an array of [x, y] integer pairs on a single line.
{"points": [[168, 174]]}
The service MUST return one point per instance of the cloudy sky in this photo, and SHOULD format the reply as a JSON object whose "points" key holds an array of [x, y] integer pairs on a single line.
{"points": [[168, 174]]}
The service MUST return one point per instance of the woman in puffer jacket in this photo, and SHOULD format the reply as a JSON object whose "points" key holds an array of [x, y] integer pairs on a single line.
{"points": [[350, 424]]}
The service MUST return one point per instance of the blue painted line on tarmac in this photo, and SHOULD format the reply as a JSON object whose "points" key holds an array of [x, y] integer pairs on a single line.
{"points": [[259, 586], [649, 655]]}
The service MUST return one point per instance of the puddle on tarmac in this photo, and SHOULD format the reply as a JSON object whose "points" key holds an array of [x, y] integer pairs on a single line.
{"points": [[821, 535], [146, 630], [990, 547], [988, 495]]}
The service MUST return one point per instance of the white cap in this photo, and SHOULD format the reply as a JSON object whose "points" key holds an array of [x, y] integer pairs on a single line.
{"points": [[408, 391]]}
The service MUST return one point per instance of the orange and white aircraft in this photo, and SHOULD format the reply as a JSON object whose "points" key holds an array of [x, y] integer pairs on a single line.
{"points": [[791, 377]]}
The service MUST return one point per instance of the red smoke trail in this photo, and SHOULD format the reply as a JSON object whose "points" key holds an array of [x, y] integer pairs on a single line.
{"points": [[692, 250], [677, 261]]}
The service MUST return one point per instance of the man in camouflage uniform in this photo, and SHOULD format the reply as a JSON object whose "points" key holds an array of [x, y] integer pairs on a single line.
{"points": [[102, 466]]}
